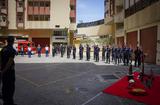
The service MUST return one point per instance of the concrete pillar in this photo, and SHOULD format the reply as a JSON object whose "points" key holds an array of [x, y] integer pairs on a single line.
{"points": [[138, 37]]}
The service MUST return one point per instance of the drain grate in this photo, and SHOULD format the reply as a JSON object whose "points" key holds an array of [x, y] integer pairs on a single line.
{"points": [[106, 77]]}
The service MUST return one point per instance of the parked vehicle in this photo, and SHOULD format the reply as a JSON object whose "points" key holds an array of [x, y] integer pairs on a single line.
{"points": [[25, 45]]}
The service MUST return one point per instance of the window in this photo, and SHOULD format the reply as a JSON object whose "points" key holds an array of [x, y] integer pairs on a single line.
{"points": [[20, 19], [30, 3], [42, 4], [47, 4], [41, 17], [36, 3], [47, 17], [36, 17], [20, 4], [30, 17], [72, 7], [3, 19]]}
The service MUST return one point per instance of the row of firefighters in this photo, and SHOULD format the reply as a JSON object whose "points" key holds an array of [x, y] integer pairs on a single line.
{"points": [[117, 55]]}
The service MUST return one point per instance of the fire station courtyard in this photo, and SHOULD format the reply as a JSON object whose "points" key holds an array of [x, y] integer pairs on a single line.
{"points": [[62, 81]]}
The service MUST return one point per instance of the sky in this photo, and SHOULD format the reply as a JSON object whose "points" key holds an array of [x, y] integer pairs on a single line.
{"points": [[90, 10]]}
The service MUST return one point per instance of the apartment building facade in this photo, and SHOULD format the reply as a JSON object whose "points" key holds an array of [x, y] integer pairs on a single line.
{"points": [[136, 23], [45, 22], [114, 17], [142, 27]]}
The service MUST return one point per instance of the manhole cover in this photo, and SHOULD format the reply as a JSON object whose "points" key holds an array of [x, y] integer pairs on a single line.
{"points": [[106, 77]]}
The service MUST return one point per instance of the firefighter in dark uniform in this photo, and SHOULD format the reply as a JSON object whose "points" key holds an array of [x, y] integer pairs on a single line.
{"points": [[68, 51], [119, 55], [103, 53], [130, 54], [108, 51], [127, 55], [80, 52], [94, 52], [53, 51], [138, 54], [88, 49], [62, 50], [74, 52], [116, 55], [113, 53], [97, 53], [8, 72], [124, 55]]}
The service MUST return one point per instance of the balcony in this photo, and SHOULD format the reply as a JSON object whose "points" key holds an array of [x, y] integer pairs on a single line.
{"points": [[119, 17], [109, 20], [20, 9], [119, 32], [119, 2], [20, 25], [3, 24], [59, 38], [72, 13], [4, 10]]}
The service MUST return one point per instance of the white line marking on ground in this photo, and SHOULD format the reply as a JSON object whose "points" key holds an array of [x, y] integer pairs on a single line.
{"points": [[85, 103], [45, 84], [31, 82]]}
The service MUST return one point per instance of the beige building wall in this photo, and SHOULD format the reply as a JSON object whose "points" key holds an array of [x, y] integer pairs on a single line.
{"points": [[59, 15], [95, 30], [144, 17], [12, 14]]}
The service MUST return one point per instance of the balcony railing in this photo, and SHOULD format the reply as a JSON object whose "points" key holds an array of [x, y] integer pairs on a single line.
{"points": [[3, 24], [59, 38], [20, 25], [108, 20], [119, 17], [4, 10], [141, 4], [119, 32], [20, 9]]}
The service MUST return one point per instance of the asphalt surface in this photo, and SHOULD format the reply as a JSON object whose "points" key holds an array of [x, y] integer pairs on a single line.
{"points": [[62, 81]]}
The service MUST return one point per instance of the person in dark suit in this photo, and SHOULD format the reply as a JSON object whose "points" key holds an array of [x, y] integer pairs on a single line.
{"points": [[7, 56]]}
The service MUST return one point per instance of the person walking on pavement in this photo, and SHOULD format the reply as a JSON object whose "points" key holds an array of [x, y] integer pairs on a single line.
{"points": [[39, 50], [88, 50], [74, 52], [7, 56]]}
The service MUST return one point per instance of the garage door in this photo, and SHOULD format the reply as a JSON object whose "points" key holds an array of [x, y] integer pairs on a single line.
{"points": [[132, 39], [42, 41], [148, 40], [120, 41]]}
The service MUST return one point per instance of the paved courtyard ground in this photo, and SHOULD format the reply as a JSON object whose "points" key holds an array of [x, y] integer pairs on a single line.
{"points": [[62, 81]]}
